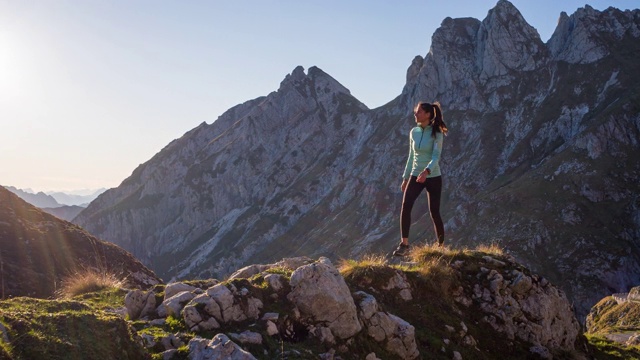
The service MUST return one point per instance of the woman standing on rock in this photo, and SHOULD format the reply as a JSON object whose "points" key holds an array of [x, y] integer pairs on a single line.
{"points": [[423, 170]]}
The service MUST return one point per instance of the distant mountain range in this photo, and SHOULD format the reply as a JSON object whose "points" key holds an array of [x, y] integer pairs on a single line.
{"points": [[65, 206], [39, 199], [81, 198], [541, 159]]}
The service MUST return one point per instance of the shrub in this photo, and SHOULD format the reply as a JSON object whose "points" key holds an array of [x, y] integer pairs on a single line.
{"points": [[88, 281]]}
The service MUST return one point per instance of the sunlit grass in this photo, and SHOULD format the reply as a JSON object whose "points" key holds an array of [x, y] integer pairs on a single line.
{"points": [[431, 263], [88, 281], [605, 349], [281, 270], [366, 266], [444, 254], [491, 249]]}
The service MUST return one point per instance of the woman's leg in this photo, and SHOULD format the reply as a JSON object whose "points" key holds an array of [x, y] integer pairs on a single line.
{"points": [[410, 195], [434, 192]]}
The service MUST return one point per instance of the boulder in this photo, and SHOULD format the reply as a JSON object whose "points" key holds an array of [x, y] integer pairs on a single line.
{"points": [[322, 296], [247, 337], [174, 288], [399, 281], [173, 305], [219, 305], [395, 334], [275, 281], [218, 348], [249, 271], [139, 303]]}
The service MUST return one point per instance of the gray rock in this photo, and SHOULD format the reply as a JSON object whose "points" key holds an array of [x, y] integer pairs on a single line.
{"points": [[322, 296], [270, 316], [247, 337], [218, 348], [171, 341], [220, 305], [371, 356], [399, 281], [174, 288], [272, 329], [248, 271], [634, 294], [211, 307], [275, 281], [139, 303], [169, 354], [395, 334], [324, 334], [173, 306]]}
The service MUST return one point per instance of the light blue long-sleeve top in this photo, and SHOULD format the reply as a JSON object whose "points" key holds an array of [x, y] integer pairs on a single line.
{"points": [[424, 152]]}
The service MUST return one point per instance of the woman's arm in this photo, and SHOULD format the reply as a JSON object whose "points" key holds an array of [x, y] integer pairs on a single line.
{"points": [[409, 165], [437, 150]]}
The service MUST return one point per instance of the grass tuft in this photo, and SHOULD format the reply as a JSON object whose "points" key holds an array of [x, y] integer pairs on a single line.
{"points": [[280, 270], [367, 266], [491, 249], [88, 281]]}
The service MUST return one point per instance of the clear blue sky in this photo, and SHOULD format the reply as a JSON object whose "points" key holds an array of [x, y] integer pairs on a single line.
{"points": [[90, 89]]}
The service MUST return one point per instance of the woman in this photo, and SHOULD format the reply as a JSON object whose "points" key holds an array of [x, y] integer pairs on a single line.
{"points": [[423, 170]]}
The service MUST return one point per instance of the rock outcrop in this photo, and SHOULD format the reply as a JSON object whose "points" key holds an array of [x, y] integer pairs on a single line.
{"points": [[495, 296], [218, 348]]}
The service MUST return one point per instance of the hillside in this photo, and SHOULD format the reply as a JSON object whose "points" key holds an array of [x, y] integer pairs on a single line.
{"points": [[38, 250], [540, 160]]}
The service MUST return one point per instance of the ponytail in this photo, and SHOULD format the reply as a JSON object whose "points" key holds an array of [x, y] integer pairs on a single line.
{"points": [[437, 122]]}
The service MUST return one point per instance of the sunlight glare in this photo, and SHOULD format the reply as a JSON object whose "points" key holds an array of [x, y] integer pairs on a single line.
{"points": [[14, 67]]}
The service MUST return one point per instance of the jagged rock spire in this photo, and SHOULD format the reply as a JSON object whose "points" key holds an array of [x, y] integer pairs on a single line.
{"points": [[584, 37]]}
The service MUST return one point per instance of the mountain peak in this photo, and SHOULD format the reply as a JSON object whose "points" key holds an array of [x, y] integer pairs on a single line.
{"points": [[505, 6], [505, 35], [587, 35], [314, 75]]}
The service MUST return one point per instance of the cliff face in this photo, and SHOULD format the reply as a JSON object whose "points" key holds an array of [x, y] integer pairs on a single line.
{"points": [[38, 250], [540, 159]]}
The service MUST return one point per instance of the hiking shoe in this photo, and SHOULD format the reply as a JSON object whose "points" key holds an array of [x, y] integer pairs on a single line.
{"points": [[401, 250]]}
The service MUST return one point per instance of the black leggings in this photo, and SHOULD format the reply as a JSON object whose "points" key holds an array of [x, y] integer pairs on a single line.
{"points": [[414, 188]]}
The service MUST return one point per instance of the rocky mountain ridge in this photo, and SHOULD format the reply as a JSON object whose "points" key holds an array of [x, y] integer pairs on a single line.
{"points": [[540, 159], [39, 199]]}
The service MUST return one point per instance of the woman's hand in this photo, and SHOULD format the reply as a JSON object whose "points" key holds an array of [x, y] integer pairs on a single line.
{"points": [[422, 177], [403, 187]]}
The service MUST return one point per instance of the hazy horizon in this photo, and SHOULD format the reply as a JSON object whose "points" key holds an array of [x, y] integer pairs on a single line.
{"points": [[90, 90]]}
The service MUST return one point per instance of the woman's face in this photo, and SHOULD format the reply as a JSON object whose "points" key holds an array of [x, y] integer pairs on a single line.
{"points": [[422, 117]]}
